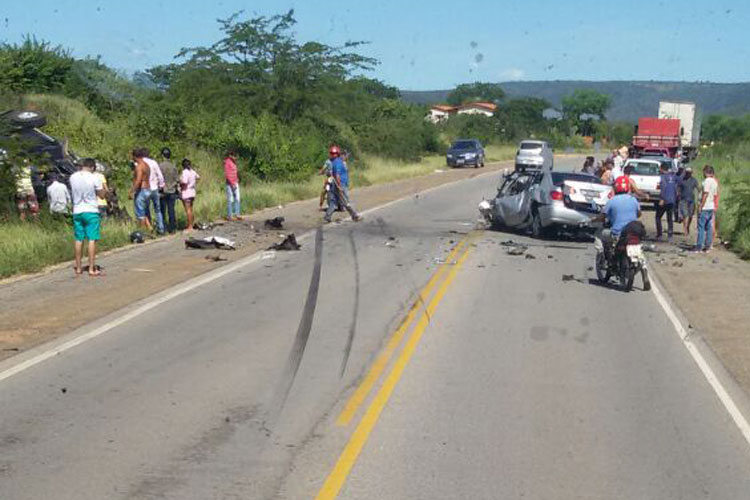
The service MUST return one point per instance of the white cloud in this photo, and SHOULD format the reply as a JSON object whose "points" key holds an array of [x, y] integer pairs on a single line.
{"points": [[512, 74]]}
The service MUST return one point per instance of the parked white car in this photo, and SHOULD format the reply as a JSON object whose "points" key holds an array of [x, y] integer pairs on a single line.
{"points": [[645, 174]]}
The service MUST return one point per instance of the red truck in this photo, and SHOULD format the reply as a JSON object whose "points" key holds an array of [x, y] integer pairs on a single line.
{"points": [[676, 130], [657, 133]]}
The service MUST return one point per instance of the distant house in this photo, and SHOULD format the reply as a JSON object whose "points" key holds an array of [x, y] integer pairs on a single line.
{"points": [[478, 108], [441, 112]]}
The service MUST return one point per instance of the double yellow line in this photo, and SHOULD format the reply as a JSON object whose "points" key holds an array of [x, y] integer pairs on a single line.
{"points": [[359, 437]]}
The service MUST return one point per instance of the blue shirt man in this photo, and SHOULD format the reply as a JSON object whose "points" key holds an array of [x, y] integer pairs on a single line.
{"points": [[621, 211], [340, 171], [668, 183]]}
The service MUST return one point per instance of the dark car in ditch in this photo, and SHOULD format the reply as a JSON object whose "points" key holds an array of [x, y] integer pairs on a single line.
{"points": [[20, 136], [465, 152]]}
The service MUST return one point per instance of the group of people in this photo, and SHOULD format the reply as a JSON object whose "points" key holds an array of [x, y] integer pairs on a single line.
{"points": [[156, 188], [677, 199]]}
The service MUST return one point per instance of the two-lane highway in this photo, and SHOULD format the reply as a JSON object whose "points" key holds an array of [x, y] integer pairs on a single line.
{"points": [[405, 357]]}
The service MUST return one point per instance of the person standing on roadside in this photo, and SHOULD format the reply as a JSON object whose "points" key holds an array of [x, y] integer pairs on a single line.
{"points": [[607, 177], [170, 191], [232, 178], [156, 185], [102, 200], [688, 185], [188, 180], [667, 200], [26, 200], [59, 197], [85, 188], [140, 192], [588, 165], [715, 218], [340, 187], [619, 163], [706, 210]]}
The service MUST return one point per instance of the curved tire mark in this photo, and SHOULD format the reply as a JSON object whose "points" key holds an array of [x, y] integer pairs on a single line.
{"points": [[355, 313]]}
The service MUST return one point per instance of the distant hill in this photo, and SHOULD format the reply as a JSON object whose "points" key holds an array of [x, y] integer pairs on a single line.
{"points": [[630, 99]]}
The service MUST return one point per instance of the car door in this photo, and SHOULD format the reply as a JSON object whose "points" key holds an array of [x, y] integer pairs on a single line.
{"points": [[512, 203]]}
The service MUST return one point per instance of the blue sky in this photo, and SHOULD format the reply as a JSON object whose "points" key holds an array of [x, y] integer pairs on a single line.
{"points": [[428, 45]]}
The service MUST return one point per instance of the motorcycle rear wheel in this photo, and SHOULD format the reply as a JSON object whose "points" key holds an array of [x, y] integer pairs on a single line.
{"points": [[602, 270]]}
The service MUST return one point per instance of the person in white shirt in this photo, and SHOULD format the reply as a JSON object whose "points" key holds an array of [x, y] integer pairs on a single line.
{"points": [[706, 210], [620, 159], [85, 188], [59, 197]]}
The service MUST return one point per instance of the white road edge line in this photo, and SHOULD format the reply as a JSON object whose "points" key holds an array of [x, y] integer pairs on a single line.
{"points": [[178, 290], [713, 380]]}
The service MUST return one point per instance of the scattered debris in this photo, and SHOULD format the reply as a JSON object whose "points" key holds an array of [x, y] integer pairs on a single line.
{"points": [[550, 256], [529, 256], [481, 266], [137, 237], [289, 243], [438, 260], [571, 277], [64, 390], [275, 223], [11, 349], [215, 258], [210, 242], [677, 263], [590, 268], [714, 261], [517, 250], [142, 270], [268, 255], [651, 248], [205, 226]]}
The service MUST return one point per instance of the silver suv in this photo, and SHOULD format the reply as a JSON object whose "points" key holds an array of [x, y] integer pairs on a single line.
{"points": [[534, 154]]}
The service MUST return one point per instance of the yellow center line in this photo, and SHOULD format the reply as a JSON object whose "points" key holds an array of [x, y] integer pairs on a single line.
{"points": [[360, 394], [348, 457]]}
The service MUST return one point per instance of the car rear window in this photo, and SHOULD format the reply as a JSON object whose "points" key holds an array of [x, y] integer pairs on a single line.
{"points": [[463, 145], [644, 168], [559, 177], [531, 145]]}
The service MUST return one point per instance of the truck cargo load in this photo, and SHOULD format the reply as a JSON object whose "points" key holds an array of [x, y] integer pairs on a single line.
{"points": [[690, 122]]}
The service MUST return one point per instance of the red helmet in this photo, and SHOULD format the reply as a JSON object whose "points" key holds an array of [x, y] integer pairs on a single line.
{"points": [[334, 151], [622, 184]]}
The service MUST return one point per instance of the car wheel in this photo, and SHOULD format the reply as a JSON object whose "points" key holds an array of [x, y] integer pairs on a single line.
{"points": [[26, 119], [537, 230]]}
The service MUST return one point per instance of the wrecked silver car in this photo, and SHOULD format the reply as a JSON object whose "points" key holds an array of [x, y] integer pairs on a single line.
{"points": [[546, 202]]}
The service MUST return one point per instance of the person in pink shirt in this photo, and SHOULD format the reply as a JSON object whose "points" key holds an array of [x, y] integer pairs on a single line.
{"points": [[188, 180], [232, 186]]}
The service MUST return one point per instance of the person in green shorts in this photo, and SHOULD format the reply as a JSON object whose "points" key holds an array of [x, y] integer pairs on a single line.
{"points": [[85, 188]]}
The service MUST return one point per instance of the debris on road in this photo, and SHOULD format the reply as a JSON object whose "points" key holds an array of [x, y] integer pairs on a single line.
{"points": [[517, 250], [571, 277], [215, 258], [210, 242], [206, 226], [275, 223], [289, 243], [268, 255], [529, 256], [137, 237]]}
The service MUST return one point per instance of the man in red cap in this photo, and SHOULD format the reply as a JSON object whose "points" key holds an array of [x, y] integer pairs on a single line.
{"points": [[340, 188]]}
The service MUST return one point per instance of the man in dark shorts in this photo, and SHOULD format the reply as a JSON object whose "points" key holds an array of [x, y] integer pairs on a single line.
{"points": [[688, 186]]}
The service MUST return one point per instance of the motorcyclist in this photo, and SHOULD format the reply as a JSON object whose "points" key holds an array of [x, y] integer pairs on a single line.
{"points": [[620, 211]]}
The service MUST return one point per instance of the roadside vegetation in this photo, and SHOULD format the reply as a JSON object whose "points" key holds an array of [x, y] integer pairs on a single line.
{"points": [[729, 153]]}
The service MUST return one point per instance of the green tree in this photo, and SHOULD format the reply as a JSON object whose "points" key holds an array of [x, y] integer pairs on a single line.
{"points": [[33, 66], [477, 91], [582, 106], [522, 117]]}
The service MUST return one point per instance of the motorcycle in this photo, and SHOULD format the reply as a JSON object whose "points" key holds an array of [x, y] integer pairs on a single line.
{"points": [[622, 258]]}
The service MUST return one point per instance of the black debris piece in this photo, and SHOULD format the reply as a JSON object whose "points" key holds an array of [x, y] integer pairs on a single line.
{"points": [[590, 268], [215, 258], [64, 390], [571, 277], [203, 226], [529, 256], [137, 237], [509, 243], [289, 243], [550, 256], [208, 243], [275, 223]]}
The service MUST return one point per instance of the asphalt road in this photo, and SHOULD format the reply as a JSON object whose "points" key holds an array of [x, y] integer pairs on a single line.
{"points": [[513, 384]]}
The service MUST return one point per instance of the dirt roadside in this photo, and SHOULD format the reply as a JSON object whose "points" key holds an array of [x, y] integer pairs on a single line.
{"points": [[37, 308], [710, 290]]}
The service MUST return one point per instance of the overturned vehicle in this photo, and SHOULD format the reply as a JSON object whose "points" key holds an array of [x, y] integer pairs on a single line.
{"points": [[546, 202]]}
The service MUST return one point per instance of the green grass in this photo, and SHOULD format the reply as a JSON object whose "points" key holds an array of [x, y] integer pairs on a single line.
{"points": [[732, 170], [31, 246]]}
